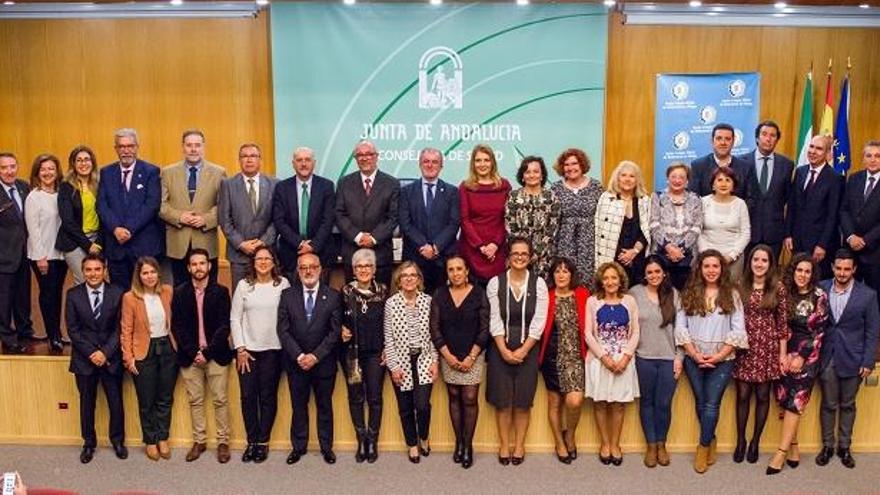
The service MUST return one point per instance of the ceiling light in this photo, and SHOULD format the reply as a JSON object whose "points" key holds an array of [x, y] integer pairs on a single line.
{"points": [[718, 9], [176, 2], [865, 6], [609, 3], [522, 2], [435, 2], [262, 2], [13, 3], [780, 5], [695, 3], [348, 2]]}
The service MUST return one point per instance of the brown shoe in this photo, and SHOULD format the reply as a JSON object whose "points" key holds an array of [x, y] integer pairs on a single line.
{"points": [[152, 452], [651, 455], [223, 453], [196, 450], [712, 456], [164, 449], [700, 464], [662, 455]]}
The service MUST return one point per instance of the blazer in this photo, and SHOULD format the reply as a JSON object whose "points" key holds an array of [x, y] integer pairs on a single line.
{"points": [[703, 168], [376, 214], [811, 219], [440, 228], [70, 208], [319, 225], [135, 327], [88, 334], [12, 228], [610, 212], [852, 340], [175, 201], [397, 340], [581, 294], [185, 324], [767, 210], [136, 210], [239, 222], [320, 336], [861, 217]]}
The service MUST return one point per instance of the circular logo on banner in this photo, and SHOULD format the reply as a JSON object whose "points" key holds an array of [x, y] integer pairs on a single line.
{"points": [[708, 114], [737, 88], [681, 140], [680, 90], [737, 137]]}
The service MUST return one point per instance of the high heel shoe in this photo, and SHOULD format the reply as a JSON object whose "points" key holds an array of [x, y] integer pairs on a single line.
{"points": [[773, 470], [467, 457], [606, 460], [739, 453], [413, 458], [793, 463], [458, 454], [504, 461], [752, 453], [516, 461], [424, 450], [565, 459]]}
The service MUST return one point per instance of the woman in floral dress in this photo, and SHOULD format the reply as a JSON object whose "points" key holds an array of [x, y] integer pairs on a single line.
{"points": [[533, 212]]}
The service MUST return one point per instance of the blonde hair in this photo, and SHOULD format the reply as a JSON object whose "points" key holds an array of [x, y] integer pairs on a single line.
{"points": [[614, 180], [137, 287], [473, 181], [395, 279]]}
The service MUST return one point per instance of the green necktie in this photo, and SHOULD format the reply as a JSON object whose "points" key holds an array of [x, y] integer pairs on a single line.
{"points": [[304, 212], [765, 171]]}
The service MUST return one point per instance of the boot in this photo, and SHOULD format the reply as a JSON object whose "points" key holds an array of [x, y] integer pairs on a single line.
{"points": [[712, 456], [662, 455], [651, 455], [467, 456], [372, 446], [361, 453], [700, 460], [459, 452]]}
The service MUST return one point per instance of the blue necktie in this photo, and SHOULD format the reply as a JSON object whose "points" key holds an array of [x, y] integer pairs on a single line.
{"points": [[191, 183], [96, 305], [310, 305], [13, 195], [429, 202]]}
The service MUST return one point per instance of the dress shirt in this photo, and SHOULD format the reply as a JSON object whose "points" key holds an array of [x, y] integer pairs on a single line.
{"points": [[299, 191], [199, 289], [868, 177], [372, 178], [122, 173], [838, 298], [539, 319], [12, 191], [156, 316], [425, 190], [810, 173], [759, 163], [91, 292], [314, 291]]}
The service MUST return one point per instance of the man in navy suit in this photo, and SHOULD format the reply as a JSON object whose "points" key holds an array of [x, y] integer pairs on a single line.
{"points": [[128, 206], [703, 168], [429, 219], [15, 278], [92, 314], [860, 215], [811, 219], [309, 327], [769, 187], [847, 355], [303, 213]]}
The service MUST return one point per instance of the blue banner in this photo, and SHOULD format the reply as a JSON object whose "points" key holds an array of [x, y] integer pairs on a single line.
{"points": [[690, 105]]}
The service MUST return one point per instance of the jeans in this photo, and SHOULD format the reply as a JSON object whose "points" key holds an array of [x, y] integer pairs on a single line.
{"points": [[708, 385], [657, 387]]}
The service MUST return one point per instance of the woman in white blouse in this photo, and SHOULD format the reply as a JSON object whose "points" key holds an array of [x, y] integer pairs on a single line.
{"points": [[726, 226], [253, 325], [47, 263]]}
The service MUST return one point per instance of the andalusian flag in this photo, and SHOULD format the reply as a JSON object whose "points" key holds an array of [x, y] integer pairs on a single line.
{"points": [[805, 129], [842, 159], [826, 127]]}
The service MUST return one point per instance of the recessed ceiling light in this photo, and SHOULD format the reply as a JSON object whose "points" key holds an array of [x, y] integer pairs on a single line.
{"points": [[865, 6], [609, 3], [13, 3], [348, 2], [522, 2], [436, 2], [780, 5], [718, 9], [262, 2], [695, 3], [176, 2]]}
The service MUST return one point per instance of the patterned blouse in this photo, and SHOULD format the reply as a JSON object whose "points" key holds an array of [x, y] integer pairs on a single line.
{"points": [[671, 224], [715, 330], [535, 217]]}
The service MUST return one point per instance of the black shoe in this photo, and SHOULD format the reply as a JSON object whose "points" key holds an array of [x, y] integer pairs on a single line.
{"points": [[617, 461], [261, 452], [329, 456], [772, 470], [516, 461], [793, 463], [361, 454], [739, 453], [573, 454], [56, 346], [294, 457], [458, 453], [565, 459], [372, 450], [467, 457], [824, 456], [504, 461], [15, 349], [846, 458], [415, 459], [424, 451], [248, 454], [120, 450], [605, 460], [752, 453], [86, 455]]}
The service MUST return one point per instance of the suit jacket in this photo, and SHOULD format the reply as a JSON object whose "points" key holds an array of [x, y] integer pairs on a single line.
{"points": [[136, 210], [439, 228], [12, 228], [703, 168], [185, 324], [852, 340], [767, 210], [135, 327], [811, 219], [319, 336], [861, 217], [377, 214], [175, 201], [70, 208], [239, 222], [319, 225], [88, 334]]}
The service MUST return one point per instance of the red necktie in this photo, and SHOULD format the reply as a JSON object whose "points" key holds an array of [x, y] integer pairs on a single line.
{"points": [[368, 186]]}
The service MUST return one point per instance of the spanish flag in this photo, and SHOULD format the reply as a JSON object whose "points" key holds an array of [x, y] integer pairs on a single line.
{"points": [[826, 127]]}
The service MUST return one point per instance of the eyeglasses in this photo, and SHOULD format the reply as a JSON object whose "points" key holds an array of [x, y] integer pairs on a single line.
{"points": [[83, 160], [305, 268], [126, 146], [519, 254], [361, 156], [409, 275], [363, 267], [249, 156]]}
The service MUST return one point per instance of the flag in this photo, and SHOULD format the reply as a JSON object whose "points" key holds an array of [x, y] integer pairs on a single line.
{"points": [[826, 127], [842, 159], [805, 129]]}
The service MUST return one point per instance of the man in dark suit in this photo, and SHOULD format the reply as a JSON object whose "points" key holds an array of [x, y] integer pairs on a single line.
{"points": [[366, 211], [15, 278], [200, 325], [847, 355], [769, 187], [811, 219], [703, 168], [128, 206], [429, 219], [92, 314], [860, 215], [245, 211], [303, 212], [309, 328]]}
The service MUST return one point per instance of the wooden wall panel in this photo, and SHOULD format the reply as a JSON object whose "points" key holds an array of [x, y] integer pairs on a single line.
{"points": [[782, 56]]}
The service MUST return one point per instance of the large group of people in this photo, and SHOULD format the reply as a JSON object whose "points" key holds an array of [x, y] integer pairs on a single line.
{"points": [[606, 293]]}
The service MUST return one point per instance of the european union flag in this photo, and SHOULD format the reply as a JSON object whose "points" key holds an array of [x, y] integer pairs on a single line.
{"points": [[842, 160]]}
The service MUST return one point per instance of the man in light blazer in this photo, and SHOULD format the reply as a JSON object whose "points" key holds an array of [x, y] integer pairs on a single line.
{"points": [[860, 215], [190, 189], [128, 206], [704, 167], [245, 211], [768, 188], [366, 211], [847, 355], [309, 327], [303, 212], [15, 276], [429, 220]]}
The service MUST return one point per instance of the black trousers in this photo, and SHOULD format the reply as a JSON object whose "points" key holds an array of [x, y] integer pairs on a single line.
{"points": [[414, 407], [15, 304], [302, 384], [154, 384], [181, 273], [51, 294], [369, 391], [433, 274], [88, 395], [259, 395]]}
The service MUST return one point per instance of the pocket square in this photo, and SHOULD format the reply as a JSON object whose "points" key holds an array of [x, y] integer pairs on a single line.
{"points": [[139, 186]]}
